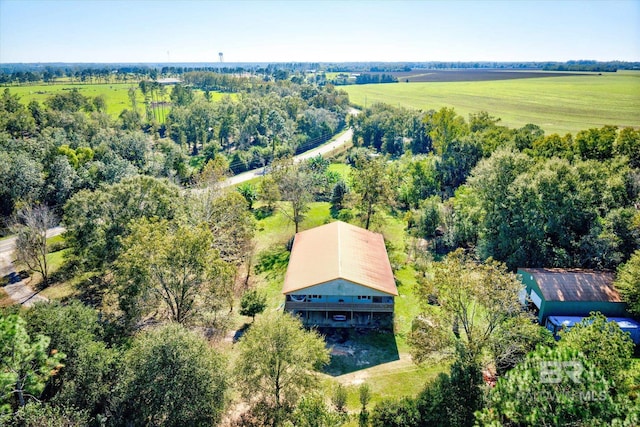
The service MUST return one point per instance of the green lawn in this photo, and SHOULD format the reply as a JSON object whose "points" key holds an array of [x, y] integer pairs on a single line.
{"points": [[342, 169], [116, 94], [383, 360], [557, 104]]}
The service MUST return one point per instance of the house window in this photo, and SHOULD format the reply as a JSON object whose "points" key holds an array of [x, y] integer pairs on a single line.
{"points": [[364, 297]]}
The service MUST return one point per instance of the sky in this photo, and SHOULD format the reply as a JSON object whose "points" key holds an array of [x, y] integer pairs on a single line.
{"points": [[139, 31]]}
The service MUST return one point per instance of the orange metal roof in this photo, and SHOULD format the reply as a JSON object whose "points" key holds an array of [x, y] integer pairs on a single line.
{"points": [[558, 284], [339, 251]]}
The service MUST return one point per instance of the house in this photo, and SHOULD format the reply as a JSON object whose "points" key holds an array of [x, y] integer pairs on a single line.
{"points": [[339, 275], [570, 292]]}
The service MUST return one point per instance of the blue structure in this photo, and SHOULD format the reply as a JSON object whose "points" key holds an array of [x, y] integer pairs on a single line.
{"points": [[556, 323]]}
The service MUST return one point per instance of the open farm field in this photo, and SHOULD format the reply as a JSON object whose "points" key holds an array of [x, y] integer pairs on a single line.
{"points": [[557, 104], [476, 75], [116, 94]]}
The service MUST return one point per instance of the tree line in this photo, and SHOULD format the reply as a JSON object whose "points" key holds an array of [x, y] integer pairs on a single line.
{"points": [[517, 195]]}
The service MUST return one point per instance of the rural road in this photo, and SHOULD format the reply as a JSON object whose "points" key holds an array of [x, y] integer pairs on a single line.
{"points": [[20, 292], [341, 140], [323, 149]]}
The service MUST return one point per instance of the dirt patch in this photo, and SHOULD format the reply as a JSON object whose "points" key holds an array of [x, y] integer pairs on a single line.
{"points": [[354, 350]]}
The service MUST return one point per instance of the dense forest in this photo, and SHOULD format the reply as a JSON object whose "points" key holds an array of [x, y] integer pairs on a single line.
{"points": [[162, 253]]}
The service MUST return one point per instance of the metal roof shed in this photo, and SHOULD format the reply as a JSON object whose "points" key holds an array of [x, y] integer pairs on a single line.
{"points": [[571, 292]]}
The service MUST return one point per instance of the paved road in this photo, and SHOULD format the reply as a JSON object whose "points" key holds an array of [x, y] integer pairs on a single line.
{"points": [[22, 292], [323, 149], [334, 144], [9, 244]]}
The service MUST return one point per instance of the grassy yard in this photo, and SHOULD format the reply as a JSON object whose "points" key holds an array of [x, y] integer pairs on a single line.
{"points": [[557, 104], [381, 360]]}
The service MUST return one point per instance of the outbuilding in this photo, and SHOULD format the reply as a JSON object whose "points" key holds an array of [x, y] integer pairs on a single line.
{"points": [[339, 275], [570, 292]]}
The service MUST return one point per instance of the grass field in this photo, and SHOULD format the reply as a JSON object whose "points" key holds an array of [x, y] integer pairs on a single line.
{"points": [[557, 104], [116, 94], [381, 360]]}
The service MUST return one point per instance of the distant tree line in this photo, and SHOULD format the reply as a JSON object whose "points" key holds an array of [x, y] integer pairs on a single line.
{"points": [[106, 73], [363, 79]]}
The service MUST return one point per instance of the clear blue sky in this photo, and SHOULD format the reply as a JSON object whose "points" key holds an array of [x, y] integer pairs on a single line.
{"points": [[317, 31]]}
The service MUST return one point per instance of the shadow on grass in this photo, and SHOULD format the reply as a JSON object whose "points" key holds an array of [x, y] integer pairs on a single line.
{"points": [[263, 212], [91, 288], [353, 350], [273, 261], [240, 332]]}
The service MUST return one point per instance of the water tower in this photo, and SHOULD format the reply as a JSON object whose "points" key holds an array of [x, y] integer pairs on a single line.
{"points": [[221, 56]]}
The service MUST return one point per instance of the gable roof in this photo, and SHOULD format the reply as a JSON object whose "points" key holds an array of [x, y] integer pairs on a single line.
{"points": [[558, 284], [339, 251]]}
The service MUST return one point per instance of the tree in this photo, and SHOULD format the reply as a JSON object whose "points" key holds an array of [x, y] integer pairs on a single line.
{"points": [[35, 414], [295, 187], [371, 185], [445, 126], [170, 270], [596, 143], [626, 144], [31, 239], [213, 172], [172, 377], [435, 402], [98, 221], [252, 303], [269, 192], [25, 363], [89, 375], [248, 191], [395, 413], [231, 224], [364, 395], [456, 162], [451, 400], [475, 301], [628, 283], [275, 363], [555, 387], [339, 399], [22, 180], [338, 194], [61, 182], [607, 347], [312, 411], [526, 136]]}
